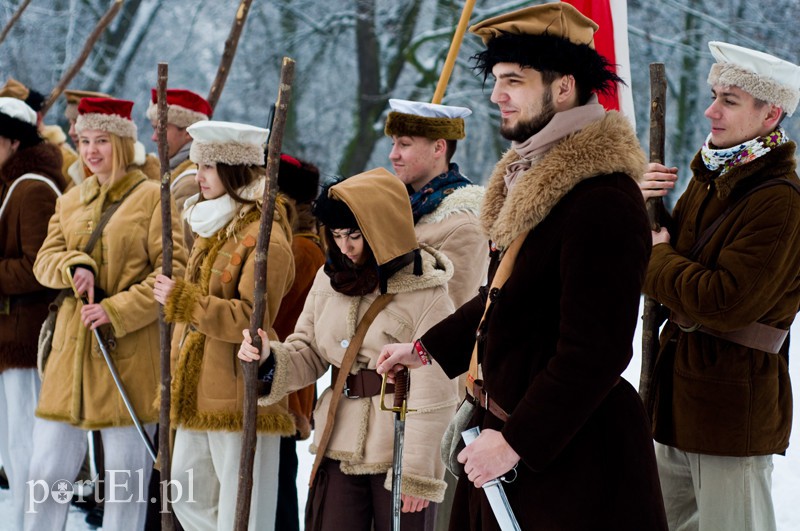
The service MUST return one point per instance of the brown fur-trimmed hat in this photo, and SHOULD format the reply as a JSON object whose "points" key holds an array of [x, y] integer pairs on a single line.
{"points": [[74, 97], [227, 143], [429, 120]]}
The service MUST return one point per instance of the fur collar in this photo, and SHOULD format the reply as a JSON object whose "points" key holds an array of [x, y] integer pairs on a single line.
{"points": [[780, 161], [437, 270], [42, 159], [464, 199], [603, 147]]}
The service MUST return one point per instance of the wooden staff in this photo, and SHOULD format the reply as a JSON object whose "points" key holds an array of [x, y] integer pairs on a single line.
{"points": [[230, 50], [13, 20], [102, 24], [455, 45], [651, 321], [165, 330], [250, 370]]}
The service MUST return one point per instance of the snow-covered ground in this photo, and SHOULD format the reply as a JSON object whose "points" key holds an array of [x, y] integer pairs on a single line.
{"points": [[786, 478]]}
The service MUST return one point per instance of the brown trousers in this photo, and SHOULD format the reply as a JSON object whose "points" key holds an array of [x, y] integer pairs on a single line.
{"points": [[357, 503]]}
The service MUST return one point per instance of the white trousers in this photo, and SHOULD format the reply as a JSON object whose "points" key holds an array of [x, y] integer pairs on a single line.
{"points": [[58, 452], [716, 493], [205, 479], [19, 394]]}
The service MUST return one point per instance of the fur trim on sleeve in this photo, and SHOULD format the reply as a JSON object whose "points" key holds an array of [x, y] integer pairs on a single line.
{"points": [[181, 302], [418, 486], [280, 381], [117, 321]]}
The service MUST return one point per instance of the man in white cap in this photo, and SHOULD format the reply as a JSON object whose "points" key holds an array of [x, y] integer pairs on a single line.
{"points": [[445, 204], [554, 330], [728, 270]]}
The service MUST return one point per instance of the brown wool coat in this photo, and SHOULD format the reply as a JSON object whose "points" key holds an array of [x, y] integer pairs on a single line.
{"points": [[714, 396], [23, 228], [77, 387], [308, 258], [454, 228], [211, 306], [559, 336]]}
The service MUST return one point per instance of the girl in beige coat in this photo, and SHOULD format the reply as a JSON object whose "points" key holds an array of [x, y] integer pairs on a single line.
{"points": [[372, 249], [78, 392], [210, 306]]}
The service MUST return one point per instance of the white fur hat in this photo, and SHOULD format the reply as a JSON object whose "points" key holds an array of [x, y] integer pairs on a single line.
{"points": [[228, 143], [761, 75], [429, 120]]}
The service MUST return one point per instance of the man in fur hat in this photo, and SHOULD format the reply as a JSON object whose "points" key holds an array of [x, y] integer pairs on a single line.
{"points": [[566, 217], [723, 402]]}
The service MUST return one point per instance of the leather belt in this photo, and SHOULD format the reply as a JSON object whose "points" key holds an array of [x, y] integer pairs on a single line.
{"points": [[363, 384], [755, 335], [482, 399]]}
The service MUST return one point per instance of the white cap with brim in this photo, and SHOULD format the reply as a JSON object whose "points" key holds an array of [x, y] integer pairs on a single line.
{"points": [[227, 143], [763, 76], [428, 110], [17, 109]]}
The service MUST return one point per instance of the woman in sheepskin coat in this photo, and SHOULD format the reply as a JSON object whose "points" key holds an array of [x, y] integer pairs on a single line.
{"points": [[210, 306], [372, 249], [78, 392]]}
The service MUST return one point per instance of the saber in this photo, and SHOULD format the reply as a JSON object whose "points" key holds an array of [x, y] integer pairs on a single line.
{"points": [[121, 388], [402, 380], [495, 492]]}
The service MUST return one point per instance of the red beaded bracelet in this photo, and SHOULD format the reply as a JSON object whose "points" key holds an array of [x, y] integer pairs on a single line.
{"points": [[422, 353]]}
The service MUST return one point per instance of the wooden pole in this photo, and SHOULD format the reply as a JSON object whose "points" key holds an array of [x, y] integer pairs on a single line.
{"points": [[13, 20], [455, 45], [165, 330], [250, 370], [102, 24], [651, 322], [231, 44]]}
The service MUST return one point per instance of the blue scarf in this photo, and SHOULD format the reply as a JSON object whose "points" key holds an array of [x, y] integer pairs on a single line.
{"points": [[429, 197]]}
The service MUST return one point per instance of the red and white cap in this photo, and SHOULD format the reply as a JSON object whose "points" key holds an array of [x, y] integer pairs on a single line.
{"points": [[106, 114], [184, 107]]}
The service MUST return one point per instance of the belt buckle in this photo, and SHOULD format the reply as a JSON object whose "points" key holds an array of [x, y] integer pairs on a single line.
{"points": [[346, 390]]}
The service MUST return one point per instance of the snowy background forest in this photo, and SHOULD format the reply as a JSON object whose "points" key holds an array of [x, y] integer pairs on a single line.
{"points": [[352, 56]]}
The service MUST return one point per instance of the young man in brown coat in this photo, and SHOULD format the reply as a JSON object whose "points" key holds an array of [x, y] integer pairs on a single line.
{"points": [[558, 334], [723, 401]]}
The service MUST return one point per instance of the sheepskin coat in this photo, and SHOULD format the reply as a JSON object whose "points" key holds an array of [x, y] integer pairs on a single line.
{"points": [[714, 396], [23, 228], [558, 336], [454, 228], [363, 435], [77, 386], [211, 306], [183, 186]]}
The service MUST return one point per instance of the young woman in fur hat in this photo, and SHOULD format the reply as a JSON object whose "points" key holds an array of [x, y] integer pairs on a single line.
{"points": [[30, 183], [372, 249], [116, 279], [210, 305]]}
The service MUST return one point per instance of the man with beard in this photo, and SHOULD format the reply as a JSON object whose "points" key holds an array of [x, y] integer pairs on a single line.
{"points": [[570, 234]]}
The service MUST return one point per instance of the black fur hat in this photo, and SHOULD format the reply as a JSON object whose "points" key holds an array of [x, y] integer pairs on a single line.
{"points": [[298, 179]]}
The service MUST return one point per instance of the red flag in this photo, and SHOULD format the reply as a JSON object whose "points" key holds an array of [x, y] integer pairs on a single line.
{"points": [[611, 41]]}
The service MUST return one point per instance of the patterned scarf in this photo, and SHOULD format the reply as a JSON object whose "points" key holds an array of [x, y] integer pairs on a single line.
{"points": [[729, 158], [429, 197]]}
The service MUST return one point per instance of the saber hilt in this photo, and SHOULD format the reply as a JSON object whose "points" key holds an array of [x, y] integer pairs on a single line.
{"points": [[402, 382]]}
